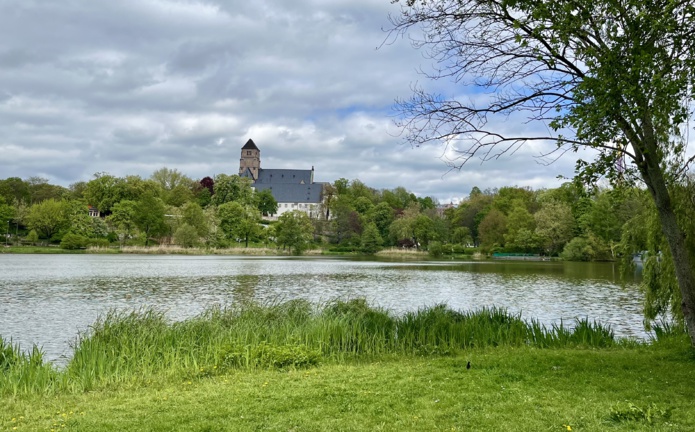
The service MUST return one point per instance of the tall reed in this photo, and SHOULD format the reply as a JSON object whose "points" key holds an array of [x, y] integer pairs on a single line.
{"points": [[138, 345]]}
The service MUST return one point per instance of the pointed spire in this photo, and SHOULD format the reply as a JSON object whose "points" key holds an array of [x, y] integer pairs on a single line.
{"points": [[250, 145]]}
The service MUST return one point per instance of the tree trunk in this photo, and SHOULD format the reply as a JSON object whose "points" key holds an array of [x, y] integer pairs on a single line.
{"points": [[683, 261]]}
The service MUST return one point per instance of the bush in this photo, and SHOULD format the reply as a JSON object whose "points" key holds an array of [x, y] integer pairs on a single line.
{"points": [[186, 236], [435, 249], [73, 241], [98, 242]]}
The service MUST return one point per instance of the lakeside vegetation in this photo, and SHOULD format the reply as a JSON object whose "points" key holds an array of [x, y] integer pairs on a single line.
{"points": [[347, 365], [172, 209]]}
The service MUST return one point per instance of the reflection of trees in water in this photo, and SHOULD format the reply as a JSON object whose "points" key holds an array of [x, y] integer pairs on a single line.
{"points": [[245, 287]]}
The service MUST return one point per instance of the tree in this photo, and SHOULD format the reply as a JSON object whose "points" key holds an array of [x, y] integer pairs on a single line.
{"points": [[149, 216], [193, 215], [174, 184], [239, 221], [294, 230], [371, 240], [123, 219], [615, 76], [232, 188], [186, 236], [14, 189], [7, 213], [266, 202], [554, 226], [47, 217], [492, 229]]}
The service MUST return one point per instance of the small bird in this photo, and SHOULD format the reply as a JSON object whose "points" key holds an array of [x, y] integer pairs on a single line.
{"points": [[468, 365]]}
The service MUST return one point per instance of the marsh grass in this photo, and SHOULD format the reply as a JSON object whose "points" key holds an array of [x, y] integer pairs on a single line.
{"points": [[178, 250], [24, 373], [128, 347]]}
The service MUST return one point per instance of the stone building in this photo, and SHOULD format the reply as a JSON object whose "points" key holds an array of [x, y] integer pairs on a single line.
{"points": [[292, 189]]}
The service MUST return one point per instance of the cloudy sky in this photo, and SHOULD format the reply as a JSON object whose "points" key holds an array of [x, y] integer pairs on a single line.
{"points": [[130, 86]]}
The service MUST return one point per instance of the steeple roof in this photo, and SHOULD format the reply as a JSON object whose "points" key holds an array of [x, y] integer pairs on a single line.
{"points": [[250, 145]]}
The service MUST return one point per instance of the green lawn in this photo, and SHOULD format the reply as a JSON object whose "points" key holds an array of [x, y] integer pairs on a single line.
{"points": [[506, 389]]}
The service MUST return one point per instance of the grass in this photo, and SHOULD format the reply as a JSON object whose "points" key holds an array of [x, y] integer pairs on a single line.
{"points": [[38, 250], [349, 366], [519, 389]]}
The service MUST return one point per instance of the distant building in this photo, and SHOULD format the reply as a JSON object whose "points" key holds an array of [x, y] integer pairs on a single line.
{"points": [[292, 189]]}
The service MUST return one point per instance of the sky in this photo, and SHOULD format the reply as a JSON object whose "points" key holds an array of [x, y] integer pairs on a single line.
{"points": [[130, 86]]}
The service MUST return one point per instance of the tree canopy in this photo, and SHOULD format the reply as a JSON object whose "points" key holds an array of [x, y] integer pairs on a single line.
{"points": [[612, 75]]}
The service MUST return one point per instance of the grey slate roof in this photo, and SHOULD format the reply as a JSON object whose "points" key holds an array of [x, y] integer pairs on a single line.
{"points": [[293, 193], [250, 145], [278, 176]]}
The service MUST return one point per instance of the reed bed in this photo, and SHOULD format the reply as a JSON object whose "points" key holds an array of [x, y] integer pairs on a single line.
{"points": [[178, 250], [126, 347]]}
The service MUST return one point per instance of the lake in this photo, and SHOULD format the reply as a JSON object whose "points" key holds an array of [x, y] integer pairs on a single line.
{"points": [[47, 299]]}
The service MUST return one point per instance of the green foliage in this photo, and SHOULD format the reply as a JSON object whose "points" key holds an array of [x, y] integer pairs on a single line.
{"points": [[435, 249], [148, 216], [232, 188], [371, 240], [265, 355], [629, 412], [295, 231], [73, 241], [586, 248], [32, 237], [186, 236], [239, 222], [266, 202], [47, 217]]}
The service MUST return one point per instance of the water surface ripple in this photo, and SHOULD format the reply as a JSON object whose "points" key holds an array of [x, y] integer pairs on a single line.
{"points": [[47, 299]]}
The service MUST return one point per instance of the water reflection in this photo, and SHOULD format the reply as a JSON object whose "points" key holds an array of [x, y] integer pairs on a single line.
{"points": [[47, 299]]}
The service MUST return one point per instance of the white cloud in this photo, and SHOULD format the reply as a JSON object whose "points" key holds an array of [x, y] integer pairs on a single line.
{"points": [[127, 87]]}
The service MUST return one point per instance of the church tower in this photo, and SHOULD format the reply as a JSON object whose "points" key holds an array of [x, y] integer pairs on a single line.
{"points": [[250, 160]]}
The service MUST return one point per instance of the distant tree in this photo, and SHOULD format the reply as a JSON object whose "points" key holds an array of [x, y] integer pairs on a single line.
{"points": [[123, 219], [554, 226], [363, 205], [381, 215], [232, 188], [239, 221], [47, 217], [209, 184], [149, 216], [102, 192], [520, 229], [41, 190], [32, 237], [73, 241], [7, 213], [193, 215], [186, 236], [294, 230], [492, 229], [266, 202], [371, 240], [14, 189], [170, 179], [77, 190], [614, 76]]}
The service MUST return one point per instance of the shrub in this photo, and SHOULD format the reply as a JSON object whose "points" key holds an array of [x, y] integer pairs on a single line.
{"points": [[73, 241]]}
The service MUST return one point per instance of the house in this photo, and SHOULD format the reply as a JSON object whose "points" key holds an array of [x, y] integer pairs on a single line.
{"points": [[293, 189]]}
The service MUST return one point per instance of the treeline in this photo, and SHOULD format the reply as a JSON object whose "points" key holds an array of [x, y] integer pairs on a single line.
{"points": [[171, 208]]}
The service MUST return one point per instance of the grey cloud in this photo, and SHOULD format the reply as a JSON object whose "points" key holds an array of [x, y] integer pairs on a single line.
{"points": [[130, 86]]}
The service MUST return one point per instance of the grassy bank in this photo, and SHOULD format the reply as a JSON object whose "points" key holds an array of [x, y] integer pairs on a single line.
{"points": [[349, 366], [519, 389], [38, 250]]}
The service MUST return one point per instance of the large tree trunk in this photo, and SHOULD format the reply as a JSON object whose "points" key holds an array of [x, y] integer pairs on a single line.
{"points": [[684, 264]]}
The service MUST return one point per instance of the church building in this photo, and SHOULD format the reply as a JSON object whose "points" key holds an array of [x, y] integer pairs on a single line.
{"points": [[292, 189]]}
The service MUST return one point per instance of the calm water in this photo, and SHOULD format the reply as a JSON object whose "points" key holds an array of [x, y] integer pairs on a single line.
{"points": [[48, 299]]}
